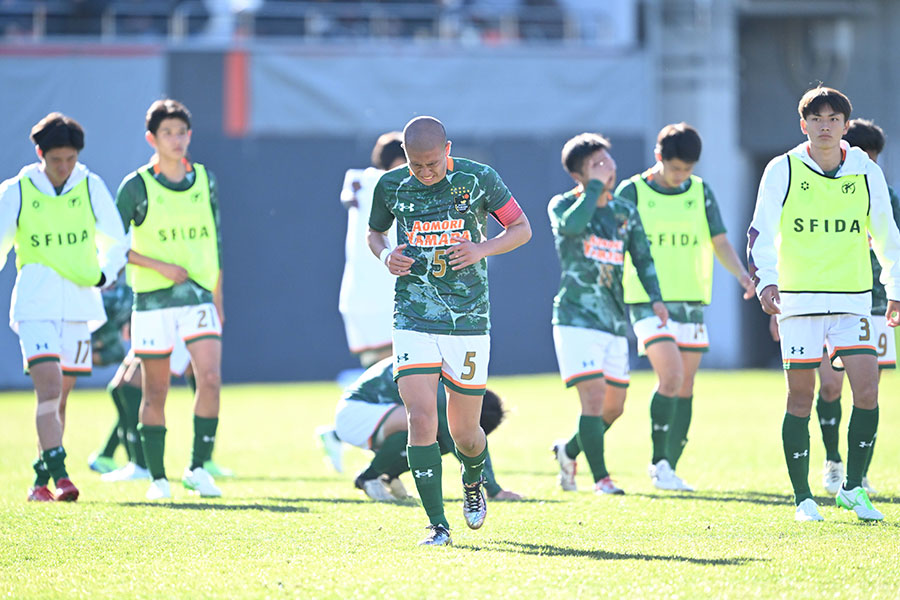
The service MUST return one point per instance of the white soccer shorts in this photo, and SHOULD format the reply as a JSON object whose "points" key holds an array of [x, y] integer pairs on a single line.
{"points": [[802, 339], [357, 422], [154, 332], [585, 354], [461, 360], [690, 337], [66, 342], [884, 343], [368, 331]]}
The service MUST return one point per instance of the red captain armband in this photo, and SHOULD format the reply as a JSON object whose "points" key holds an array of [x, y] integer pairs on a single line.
{"points": [[508, 213]]}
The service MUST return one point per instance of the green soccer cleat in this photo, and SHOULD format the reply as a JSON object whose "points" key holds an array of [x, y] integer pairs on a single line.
{"points": [[858, 501], [102, 464], [217, 470]]}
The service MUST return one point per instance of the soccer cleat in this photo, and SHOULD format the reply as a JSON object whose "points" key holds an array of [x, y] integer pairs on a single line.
{"points": [[40, 494], [664, 478], [374, 489], [101, 464], [396, 487], [833, 476], [474, 504], [807, 511], [159, 489], [332, 445], [567, 466], [606, 486], [438, 536], [129, 472], [200, 482], [858, 501], [867, 485], [65, 491], [217, 470]]}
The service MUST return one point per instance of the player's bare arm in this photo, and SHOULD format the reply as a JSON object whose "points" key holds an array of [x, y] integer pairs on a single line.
{"points": [[218, 299], [397, 263], [660, 310], [728, 257], [167, 270], [466, 253], [769, 299]]}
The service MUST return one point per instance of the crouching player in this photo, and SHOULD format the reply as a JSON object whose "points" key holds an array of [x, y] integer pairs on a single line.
{"points": [[370, 415], [593, 230]]}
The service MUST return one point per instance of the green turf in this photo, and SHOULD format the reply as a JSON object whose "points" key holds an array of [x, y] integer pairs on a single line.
{"points": [[290, 527]]}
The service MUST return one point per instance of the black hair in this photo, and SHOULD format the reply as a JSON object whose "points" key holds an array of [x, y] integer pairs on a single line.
{"points": [[166, 109], [813, 100], [579, 148], [866, 135], [56, 130], [492, 413], [388, 149], [681, 141]]}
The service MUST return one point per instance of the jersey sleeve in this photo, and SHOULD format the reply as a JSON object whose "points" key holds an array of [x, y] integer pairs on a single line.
{"points": [[884, 232], [762, 256], [380, 219], [112, 243], [214, 206], [352, 185], [713, 216], [895, 205], [641, 258], [498, 195], [131, 200], [572, 218], [10, 204]]}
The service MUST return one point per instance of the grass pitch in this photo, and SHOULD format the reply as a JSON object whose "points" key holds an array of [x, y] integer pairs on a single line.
{"points": [[289, 527]]}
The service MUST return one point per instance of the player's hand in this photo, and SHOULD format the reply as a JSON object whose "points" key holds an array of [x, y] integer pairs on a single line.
{"points": [[464, 253], [602, 168], [773, 329], [747, 283], [769, 299], [660, 310], [893, 313], [507, 495], [398, 263], [173, 272]]}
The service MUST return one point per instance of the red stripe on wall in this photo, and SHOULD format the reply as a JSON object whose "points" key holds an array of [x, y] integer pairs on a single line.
{"points": [[236, 93]]}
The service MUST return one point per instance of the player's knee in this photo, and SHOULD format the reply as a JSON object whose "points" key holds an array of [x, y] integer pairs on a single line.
{"points": [[611, 413], [830, 391], [210, 381], [468, 442], [670, 383], [421, 421], [865, 395]]}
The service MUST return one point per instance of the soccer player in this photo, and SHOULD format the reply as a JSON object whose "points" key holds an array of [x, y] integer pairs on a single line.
{"points": [[808, 248], [175, 272], [367, 416], [441, 314], [69, 242], [684, 227], [868, 137], [593, 231], [366, 299]]}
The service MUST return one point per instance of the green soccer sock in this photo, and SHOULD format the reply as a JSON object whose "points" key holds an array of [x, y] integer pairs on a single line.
{"points": [[131, 402], [425, 464], [41, 474], [204, 438], [681, 422], [390, 458], [795, 439], [117, 435], [573, 446], [153, 439], [871, 453], [473, 466], [55, 459], [590, 434], [829, 414], [662, 411], [860, 438]]}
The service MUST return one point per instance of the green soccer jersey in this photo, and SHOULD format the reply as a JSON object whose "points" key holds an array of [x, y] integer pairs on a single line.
{"points": [[377, 386], [591, 242], [131, 200], [879, 296], [434, 298], [106, 341], [681, 312]]}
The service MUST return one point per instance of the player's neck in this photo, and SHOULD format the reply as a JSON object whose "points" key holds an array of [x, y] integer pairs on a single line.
{"points": [[828, 159], [172, 169]]}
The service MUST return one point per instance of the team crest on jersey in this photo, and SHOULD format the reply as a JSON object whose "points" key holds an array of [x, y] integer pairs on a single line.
{"points": [[75, 202], [461, 197], [195, 197], [849, 188]]}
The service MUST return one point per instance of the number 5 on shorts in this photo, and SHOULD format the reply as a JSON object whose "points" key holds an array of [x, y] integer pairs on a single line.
{"points": [[468, 362]]}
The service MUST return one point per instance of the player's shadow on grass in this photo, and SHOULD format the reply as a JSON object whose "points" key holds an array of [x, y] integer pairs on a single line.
{"points": [[286, 478], [407, 502], [743, 497], [549, 550], [215, 506]]}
